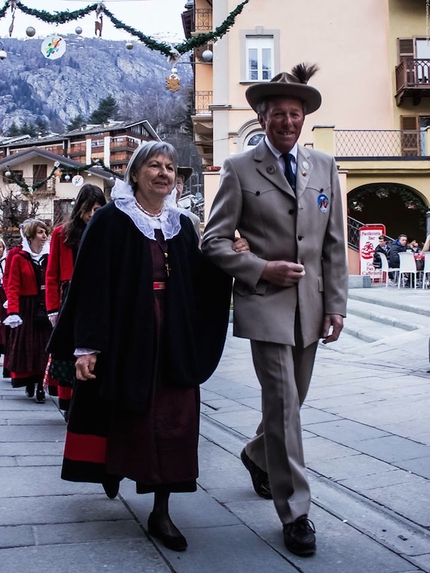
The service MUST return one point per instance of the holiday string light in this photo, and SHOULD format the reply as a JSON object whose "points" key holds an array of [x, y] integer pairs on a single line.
{"points": [[66, 16]]}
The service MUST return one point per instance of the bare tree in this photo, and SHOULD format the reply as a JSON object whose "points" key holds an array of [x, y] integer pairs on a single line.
{"points": [[16, 206]]}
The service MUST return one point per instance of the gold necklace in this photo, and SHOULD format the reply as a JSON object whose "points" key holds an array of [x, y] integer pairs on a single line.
{"points": [[154, 215]]}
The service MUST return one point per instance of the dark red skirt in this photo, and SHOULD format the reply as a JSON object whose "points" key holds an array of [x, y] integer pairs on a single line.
{"points": [[157, 449], [26, 344]]}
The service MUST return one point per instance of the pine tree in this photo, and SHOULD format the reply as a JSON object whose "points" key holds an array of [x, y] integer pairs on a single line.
{"points": [[76, 123], [13, 130], [107, 109]]}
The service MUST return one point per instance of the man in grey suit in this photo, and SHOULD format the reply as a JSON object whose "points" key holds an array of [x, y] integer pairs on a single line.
{"points": [[290, 289]]}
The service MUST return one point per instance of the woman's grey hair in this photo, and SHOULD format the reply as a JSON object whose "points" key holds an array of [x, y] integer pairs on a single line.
{"points": [[144, 153]]}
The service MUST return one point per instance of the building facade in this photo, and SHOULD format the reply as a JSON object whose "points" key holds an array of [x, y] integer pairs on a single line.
{"points": [[374, 60]]}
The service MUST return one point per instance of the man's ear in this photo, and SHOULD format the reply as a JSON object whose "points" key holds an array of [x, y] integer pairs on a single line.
{"points": [[261, 121]]}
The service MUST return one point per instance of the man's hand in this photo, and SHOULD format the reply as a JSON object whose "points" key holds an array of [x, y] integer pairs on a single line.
{"points": [[283, 273], [333, 324], [85, 366]]}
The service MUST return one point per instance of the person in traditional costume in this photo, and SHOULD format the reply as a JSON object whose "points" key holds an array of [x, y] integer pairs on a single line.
{"points": [[27, 317], [64, 248], [3, 313], [146, 314]]}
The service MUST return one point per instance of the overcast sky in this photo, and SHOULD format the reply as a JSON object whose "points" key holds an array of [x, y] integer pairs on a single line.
{"points": [[152, 17]]}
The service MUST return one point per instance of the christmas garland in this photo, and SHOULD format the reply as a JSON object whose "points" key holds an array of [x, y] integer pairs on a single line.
{"points": [[408, 197], [58, 166], [151, 43]]}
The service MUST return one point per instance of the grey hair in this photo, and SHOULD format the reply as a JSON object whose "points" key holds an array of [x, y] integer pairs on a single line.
{"points": [[262, 106], [144, 153]]}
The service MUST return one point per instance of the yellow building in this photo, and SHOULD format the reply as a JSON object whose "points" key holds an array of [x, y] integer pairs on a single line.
{"points": [[374, 60]]}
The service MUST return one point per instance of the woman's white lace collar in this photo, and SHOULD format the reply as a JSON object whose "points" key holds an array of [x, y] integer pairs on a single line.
{"points": [[168, 221]]}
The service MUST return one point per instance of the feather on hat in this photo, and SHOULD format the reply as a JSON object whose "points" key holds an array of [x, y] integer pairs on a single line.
{"points": [[293, 85]]}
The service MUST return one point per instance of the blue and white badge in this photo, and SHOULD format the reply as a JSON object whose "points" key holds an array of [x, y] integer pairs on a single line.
{"points": [[323, 202]]}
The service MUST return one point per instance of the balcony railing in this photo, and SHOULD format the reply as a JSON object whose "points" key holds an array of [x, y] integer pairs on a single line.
{"points": [[203, 20], [413, 73], [202, 101], [380, 143]]}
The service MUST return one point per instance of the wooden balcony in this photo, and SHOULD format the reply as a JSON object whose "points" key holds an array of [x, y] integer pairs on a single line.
{"points": [[413, 80]]}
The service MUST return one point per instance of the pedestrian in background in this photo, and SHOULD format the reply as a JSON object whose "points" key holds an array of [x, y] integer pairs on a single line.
{"points": [[3, 313], [290, 290], [26, 310], [64, 248], [146, 315]]}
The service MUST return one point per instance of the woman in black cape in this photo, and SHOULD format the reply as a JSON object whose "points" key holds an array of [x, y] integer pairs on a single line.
{"points": [[146, 315]]}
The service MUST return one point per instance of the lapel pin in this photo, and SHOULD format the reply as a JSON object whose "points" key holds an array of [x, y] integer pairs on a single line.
{"points": [[304, 173], [305, 165], [271, 169]]}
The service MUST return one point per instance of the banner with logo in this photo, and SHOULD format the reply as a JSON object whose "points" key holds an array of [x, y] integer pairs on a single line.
{"points": [[368, 241]]}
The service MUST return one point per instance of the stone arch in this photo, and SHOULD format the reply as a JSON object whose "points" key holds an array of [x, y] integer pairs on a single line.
{"points": [[246, 133], [401, 208]]}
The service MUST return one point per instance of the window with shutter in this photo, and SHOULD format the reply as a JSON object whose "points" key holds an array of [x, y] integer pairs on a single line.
{"points": [[405, 48], [409, 139], [40, 173]]}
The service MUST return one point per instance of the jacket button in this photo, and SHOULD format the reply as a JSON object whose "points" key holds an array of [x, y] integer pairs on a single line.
{"points": [[291, 212], [257, 193], [300, 237]]}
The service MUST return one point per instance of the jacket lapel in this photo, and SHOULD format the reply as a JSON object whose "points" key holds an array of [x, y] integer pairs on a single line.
{"points": [[304, 170], [267, 166]]}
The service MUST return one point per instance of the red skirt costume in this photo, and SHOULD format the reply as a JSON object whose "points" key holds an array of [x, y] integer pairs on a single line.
{"points": [[58, 274], [26, 352]]}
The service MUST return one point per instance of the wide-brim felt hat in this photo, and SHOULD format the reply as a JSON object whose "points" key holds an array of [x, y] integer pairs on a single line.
{"points": [[186, 172], [292, 85]]}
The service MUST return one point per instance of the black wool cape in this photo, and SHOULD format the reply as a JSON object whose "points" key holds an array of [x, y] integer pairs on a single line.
{"points": [[110, 308]]}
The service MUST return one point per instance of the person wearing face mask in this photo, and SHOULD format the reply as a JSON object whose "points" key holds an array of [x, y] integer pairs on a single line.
{"points": [[27, 317], [64, 247]]}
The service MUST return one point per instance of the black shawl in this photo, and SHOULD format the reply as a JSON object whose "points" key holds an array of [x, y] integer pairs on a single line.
{"points": [[110, 308]]}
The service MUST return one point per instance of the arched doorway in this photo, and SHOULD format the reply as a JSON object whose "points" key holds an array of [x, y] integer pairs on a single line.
{"points": [[399, 207]]}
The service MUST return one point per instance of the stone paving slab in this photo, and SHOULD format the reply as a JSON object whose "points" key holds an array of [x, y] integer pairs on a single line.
{"points": [[87, 532], [112, 556], [394, 448], [234, 548], [346, 432], [60, 509], [346, 467]]}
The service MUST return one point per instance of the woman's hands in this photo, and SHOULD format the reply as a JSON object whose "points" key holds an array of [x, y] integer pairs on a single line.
{"points": [[240, 245], [85, 365]]}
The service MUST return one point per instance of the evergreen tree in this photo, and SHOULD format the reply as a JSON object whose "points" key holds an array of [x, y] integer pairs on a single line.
{"points": [[76, 123], [13, 130], [107, 109]]}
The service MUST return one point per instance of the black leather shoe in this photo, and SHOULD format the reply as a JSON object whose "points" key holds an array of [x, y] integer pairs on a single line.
{"points": [[111, 486], [173, 542], [40, 396], [29, 390], [260, 478], [299, 536]]}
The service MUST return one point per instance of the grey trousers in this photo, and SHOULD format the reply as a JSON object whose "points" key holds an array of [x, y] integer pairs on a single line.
{"points": [[284, 373]]}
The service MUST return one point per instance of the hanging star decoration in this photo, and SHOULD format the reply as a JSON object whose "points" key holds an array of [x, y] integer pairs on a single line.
{"points": [[99, 8]]}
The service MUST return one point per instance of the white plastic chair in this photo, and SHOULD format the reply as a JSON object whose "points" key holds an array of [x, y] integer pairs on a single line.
{"points": [[386, 269], [408, 266], [426, 270]]}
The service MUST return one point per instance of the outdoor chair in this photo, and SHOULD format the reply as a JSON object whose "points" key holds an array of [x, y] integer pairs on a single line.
{"points": [[386, 269], [408, 266], [426, 270]]}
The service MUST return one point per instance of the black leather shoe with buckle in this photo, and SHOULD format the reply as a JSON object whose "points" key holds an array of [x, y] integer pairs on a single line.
{"points": [[299, 536], [260, 478]]}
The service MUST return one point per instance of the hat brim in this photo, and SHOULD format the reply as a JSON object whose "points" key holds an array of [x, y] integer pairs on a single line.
{"points": [[256, 93], [186, 172]]}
